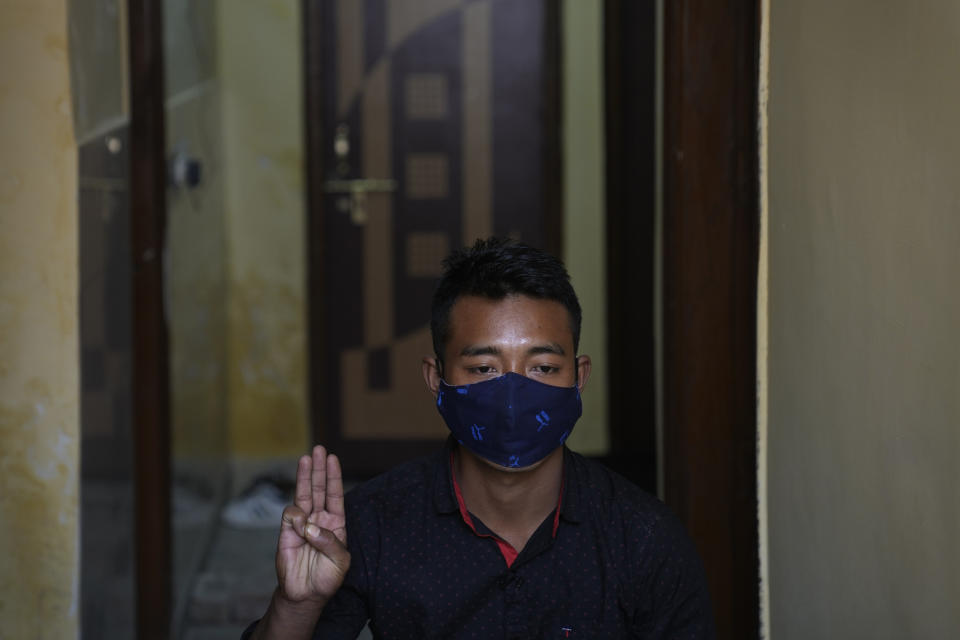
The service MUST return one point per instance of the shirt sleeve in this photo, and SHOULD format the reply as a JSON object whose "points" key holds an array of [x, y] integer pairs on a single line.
{"points": [[670, 594], [346, 613], [349, 610], [343, 617]]}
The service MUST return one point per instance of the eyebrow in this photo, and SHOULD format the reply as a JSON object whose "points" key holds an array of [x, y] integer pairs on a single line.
{"points": [[475, 350], [488, 350], [552, 347]]}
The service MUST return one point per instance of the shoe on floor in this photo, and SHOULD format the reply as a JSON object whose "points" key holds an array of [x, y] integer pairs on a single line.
{"points": [[259, 507]]}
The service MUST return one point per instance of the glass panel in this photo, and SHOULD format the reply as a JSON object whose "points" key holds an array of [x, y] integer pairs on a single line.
{"points": [[235, 300], [98, 86], [97, 65], [196, 291]]}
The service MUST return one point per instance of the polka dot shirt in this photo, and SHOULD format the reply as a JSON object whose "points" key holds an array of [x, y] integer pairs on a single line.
{"points": [[615, 564]]}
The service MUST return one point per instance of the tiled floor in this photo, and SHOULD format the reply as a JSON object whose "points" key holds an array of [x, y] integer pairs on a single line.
{"points": [[233, 585], [224, 576], [106, 563]]}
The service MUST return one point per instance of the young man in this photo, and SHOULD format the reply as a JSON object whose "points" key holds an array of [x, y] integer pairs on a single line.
{"points": [[506, 533]]}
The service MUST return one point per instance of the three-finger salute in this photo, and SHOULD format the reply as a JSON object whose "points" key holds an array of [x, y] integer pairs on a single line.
{"points": [[312, 557]]}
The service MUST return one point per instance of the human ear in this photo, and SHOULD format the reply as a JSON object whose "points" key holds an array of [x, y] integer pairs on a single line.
{"points": [[583, 371], [431, 373]]}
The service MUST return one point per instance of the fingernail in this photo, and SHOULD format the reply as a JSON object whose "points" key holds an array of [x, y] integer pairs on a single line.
{"points": [[313, 530]]}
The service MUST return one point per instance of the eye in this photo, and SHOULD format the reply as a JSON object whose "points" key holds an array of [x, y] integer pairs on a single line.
{"points": [[545, 369], [482, 369]]}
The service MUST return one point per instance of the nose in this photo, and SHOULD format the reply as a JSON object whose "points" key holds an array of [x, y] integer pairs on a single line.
{"points": [[514, 367]]}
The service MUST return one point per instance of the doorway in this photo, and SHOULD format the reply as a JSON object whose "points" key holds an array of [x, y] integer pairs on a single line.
{"points": [[429, 124], [709, 246]]}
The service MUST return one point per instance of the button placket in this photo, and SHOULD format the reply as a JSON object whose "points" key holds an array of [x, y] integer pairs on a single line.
{"points": [[515, 609]]}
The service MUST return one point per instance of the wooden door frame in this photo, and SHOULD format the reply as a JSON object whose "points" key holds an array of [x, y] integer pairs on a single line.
{"points": [[709, 236], [710, 239], [150, 376]]}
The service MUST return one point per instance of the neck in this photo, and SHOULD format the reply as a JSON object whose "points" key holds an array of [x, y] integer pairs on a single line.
{"points": [[510, 503]]}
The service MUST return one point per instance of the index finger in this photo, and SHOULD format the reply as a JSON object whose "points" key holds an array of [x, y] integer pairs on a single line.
{"points": [[303, 498], [334, 486]]}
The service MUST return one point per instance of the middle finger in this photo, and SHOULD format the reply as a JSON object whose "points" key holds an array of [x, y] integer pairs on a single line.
{"points": [[318, 478]]}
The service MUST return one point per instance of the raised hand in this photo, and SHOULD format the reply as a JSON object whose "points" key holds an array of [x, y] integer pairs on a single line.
{"points": [[312, 557]]}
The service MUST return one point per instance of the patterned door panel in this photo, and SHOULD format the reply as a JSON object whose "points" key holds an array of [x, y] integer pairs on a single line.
{"points": [[446, 99]]}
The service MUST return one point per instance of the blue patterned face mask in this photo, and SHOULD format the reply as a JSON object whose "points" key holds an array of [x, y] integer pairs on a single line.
{"points": [[511, 420]]}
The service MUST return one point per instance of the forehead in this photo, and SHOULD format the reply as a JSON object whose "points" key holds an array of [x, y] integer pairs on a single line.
{"points": [[514, 319]]}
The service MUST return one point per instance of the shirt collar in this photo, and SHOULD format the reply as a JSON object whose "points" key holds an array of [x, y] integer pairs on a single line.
{"points": [[445, 499]]}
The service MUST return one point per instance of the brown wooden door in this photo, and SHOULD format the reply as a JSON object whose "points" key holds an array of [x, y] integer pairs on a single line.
{"points": [[429, 124]]}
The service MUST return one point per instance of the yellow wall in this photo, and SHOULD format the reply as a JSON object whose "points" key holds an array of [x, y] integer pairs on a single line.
{"points": [[39, 377], [864, 320], [260, 71]]}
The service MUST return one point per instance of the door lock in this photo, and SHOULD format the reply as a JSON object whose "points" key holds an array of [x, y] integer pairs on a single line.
{"points": [[353, 196]]}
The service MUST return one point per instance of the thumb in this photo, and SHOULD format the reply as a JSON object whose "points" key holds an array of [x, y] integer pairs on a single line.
{"points": [[294, 520]]}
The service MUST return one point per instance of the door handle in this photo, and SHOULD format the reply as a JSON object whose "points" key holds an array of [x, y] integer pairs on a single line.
{"points": [[354, 194], [361, 185]]}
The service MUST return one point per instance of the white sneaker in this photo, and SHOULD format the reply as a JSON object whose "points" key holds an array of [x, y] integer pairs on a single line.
{"points": [[260, 507]]}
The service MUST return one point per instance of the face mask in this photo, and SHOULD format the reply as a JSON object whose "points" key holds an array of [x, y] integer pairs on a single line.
{"points": [[511, 420]]}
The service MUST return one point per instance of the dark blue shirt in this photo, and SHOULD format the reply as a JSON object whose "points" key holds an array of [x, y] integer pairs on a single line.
{"points": [[619, 565]]}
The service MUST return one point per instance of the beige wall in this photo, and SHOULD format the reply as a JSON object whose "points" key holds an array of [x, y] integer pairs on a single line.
{"points": [[584, 238], [236, 272], [864, 320], [260, 71], [39, 377]]}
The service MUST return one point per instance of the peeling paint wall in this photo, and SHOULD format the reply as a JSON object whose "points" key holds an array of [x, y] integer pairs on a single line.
{"points": [[260, 70], [39, 377], [863, 431]]}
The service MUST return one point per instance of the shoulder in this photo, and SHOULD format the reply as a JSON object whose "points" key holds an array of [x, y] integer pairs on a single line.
{"points": [[605, 494], [396, 505], [649, 530], [398, 486], [662, 570]]}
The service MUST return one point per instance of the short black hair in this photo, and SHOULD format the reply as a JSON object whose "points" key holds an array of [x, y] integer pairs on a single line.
{"points": [[495, 268]]}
